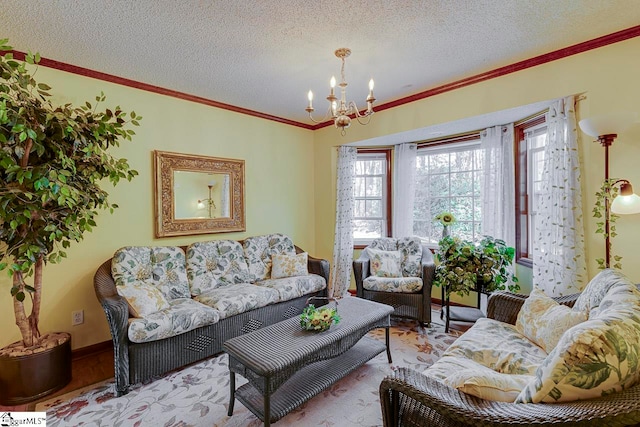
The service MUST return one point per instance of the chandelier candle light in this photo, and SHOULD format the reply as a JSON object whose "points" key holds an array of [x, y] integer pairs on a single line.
{"points": [[341, 110]]}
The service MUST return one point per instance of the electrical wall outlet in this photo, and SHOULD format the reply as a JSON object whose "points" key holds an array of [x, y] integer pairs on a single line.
{"points": [[77, 317]]}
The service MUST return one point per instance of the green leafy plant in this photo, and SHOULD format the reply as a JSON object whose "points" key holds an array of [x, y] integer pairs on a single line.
{"points": [[318, 319], [465, 266], [608, 191], [53, 163]]}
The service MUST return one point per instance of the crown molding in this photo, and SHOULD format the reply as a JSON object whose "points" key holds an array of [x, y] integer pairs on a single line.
{"points": [[86, 72], [575, 49], [616, 37]]}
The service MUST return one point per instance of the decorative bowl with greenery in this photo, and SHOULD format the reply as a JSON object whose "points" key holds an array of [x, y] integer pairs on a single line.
{"points": [[318, 319], [466, 266]]}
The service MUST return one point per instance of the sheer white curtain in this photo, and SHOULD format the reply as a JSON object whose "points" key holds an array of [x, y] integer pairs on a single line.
{"points": [[404, 189], [559, 266], [498, 185], [343, 241]]}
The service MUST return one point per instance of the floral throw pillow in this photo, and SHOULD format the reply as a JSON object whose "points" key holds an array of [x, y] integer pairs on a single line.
{"points": [[142, 298], [543, 320], [284, 265], [594, 358], [385, 263]]}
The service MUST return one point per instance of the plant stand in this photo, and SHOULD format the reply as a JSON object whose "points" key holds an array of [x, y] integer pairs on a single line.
{"points": [[460, 314]]}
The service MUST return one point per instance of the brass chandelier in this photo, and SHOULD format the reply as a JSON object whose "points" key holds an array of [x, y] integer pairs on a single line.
{"points": [[341, 110]]}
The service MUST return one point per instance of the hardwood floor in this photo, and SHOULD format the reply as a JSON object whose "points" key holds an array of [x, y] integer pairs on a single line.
{"points": [[96, 364], [87, 368]]}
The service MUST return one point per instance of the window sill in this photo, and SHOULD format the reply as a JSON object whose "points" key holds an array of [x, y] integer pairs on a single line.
{"points": [[525, 262]]}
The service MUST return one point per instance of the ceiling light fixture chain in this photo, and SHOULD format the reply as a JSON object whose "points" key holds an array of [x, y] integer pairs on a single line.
{"points": [[344, 111]]}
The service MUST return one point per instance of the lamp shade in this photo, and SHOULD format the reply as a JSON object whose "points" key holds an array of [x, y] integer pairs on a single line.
{"points": [[607, 124], [625, 205]]}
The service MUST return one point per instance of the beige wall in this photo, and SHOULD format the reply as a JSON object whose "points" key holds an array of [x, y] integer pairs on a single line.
{"points": [[279, 162], [608, 77]]}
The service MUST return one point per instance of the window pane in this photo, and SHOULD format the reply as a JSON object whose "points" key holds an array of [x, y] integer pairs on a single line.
{"points": [[371, 195], [439, 163], [438, 184], [373, 167], [367, 229], [448, 181], [374, 208], [374, 186], [359, 187], [461, 183], [461, 161]]}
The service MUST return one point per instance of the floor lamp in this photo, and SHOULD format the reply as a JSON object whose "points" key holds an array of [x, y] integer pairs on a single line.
{"points": [[606, 129]]}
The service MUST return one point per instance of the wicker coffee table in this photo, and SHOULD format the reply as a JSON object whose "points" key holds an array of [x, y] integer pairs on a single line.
{"points": [[286, 366]]}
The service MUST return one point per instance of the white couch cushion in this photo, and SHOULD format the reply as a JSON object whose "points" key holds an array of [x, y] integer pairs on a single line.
{"points": [[142, 298], [184, 315], [485, 383], [393, 284], [543, 320], [229, 300], [598, 287], [493, 344], [384, 263], [258, 251], [410, 249], [215, 263], [594, 358], [294, 287], [159, 266]]}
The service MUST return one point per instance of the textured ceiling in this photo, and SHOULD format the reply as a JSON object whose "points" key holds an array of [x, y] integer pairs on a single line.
{"points": [[265, 55]]}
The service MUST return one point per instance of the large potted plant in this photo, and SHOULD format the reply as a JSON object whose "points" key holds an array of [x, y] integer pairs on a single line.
{"points": [[53, 163], [466, 266]]}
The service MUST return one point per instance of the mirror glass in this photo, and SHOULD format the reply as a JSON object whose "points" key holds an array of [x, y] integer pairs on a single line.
{"points": [[198, 194], [201, 195]]}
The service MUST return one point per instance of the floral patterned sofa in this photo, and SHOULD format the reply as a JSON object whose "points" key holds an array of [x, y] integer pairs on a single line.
{"points": [[533, 361], [171, 306]]}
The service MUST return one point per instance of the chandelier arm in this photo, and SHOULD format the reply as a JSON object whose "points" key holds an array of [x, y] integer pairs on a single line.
{"points": [[327, 116], [367, 116]]}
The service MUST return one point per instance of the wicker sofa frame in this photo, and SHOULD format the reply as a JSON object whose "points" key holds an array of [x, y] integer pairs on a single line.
{"points": [[415, 305], [138, 362], [409, 398]]}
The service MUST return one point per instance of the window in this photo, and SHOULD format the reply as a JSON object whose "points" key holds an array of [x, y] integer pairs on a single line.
{"points": [[530, 138], [449, 179], [372, 216]]}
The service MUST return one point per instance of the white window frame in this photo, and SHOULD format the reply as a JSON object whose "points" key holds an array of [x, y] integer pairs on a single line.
{"points": [[375, 155], [452, 147], [528, 135]]}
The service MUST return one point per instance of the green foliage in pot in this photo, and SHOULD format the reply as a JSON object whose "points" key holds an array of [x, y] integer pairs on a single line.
{"points": [[465, 266], [53, 163]]}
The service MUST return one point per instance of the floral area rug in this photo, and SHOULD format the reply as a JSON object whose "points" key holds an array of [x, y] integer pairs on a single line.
{"points": [[198, 395]]}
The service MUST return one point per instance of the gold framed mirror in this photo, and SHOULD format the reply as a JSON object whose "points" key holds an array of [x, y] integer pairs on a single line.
{"points": [[197, 194]]}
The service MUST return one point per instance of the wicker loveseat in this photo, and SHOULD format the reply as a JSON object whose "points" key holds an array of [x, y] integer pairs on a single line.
{"points": [[408, 291], [411, 398], [219, 290]]}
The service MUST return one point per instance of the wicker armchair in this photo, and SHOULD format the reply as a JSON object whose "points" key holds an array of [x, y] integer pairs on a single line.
{"points": [[409, 398], [412, 305]]}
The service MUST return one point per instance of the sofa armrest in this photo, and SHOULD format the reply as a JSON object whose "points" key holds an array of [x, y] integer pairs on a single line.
{"points": [[409, 398], [360, 272], [317, 266], [116, 310], [505, 306]]}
